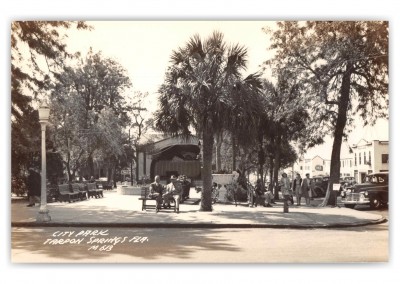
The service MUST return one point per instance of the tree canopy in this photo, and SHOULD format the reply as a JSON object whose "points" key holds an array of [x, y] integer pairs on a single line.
{"points": [[344, 67], [38, 51], [204, 90]]}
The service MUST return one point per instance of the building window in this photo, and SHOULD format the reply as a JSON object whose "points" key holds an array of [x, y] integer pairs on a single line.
{"points": [[350, 163], [385, 158], [355, 159], [369, 158], [359, 158], [301, 168], [365, 158]]}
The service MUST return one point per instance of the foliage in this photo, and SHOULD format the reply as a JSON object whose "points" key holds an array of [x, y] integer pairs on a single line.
{"points": [[344, 68], [204, 90], [322, 52], [90, 112], [285, 120], [37, 53]]}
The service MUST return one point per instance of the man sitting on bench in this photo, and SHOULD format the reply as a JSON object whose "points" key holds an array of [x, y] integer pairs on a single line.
{"points": [[156, 191], [173, 191]]}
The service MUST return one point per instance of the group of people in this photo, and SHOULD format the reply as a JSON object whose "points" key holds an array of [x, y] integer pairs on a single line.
{"points": [[176, 191], [300, 187]]}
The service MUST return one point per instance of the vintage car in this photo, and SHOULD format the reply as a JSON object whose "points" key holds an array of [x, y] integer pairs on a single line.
{"points": [[374, 191], [349, 180], [320, 185]]}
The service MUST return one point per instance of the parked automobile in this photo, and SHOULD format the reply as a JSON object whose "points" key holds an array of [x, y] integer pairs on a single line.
{"points": [[346, 183], [320, 185], [349, 180], [374, 191]]}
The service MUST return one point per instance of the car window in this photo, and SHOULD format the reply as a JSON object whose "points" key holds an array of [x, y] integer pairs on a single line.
{"points": [[377, 179], [382, 179]]}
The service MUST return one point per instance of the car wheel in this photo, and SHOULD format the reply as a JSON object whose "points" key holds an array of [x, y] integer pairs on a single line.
{"points": [[351, 206], [375, 203]]}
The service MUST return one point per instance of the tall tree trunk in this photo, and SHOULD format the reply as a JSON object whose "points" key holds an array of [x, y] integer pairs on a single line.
{"points": [[261, 160], [338, 136], [271, 173], [91, 165], [233, 152], [208, 142], [277, 165], [218, 151]]}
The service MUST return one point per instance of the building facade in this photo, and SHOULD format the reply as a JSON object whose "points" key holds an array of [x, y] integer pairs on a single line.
{"points": [[370, 157], [356, 161], [170, 156]]}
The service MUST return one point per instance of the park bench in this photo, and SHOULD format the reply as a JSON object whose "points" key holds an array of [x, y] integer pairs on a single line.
{"points": [[104, 184], [67, 194], [80, 188], [144, 197], [93, 191]]}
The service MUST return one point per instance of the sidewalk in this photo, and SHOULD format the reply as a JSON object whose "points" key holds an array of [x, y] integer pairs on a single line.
{"points": [[117, 210]]}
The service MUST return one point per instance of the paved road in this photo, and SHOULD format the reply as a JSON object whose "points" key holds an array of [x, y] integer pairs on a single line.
{"points": [[166, 245]]}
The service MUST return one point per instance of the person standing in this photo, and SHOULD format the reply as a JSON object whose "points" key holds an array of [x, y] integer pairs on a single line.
{"points": [[285, 188], [312, 189], [156, 191], [34, 189], [297, 188], [305, 187]]}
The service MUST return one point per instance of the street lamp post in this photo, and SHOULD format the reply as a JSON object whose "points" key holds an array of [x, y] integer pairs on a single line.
{"points": [[43, 215], [130, 145]]}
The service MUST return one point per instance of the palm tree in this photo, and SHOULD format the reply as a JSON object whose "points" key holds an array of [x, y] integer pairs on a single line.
{"points": [[204, 90]]}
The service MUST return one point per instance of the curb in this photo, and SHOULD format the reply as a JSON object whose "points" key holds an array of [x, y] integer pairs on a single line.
{"points": [[198, 225]]}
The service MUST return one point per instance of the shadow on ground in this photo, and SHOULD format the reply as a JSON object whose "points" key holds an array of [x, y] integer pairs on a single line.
{"points": [[177, 243]]}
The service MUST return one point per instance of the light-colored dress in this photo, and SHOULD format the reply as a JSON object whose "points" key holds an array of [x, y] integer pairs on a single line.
{"points": [[285, 186], [297, 186]]}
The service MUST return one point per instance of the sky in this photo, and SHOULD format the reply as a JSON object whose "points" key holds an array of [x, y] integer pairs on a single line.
{"points": [[134, 46], [144, 48]]}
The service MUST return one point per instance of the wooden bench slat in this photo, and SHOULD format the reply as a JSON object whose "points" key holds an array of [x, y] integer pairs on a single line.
{"points": [[93, 191], [65, 193]]}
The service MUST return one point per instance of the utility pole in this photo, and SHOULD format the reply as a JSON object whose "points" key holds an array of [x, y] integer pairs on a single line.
{"points": [[131, 158]]}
